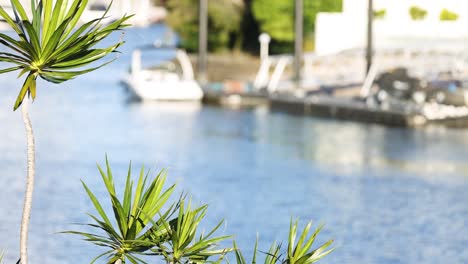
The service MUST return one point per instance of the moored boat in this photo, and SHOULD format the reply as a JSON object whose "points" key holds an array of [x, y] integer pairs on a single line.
{"points": [[169, 80]]}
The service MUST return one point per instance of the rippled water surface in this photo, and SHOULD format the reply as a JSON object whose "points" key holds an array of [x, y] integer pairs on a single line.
{"points": [[386, 195]]}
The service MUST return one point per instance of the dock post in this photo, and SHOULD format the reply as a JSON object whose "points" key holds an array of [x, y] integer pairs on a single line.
{"points": [[264, 40], [298, 48], [202, 41], [370, 36]]}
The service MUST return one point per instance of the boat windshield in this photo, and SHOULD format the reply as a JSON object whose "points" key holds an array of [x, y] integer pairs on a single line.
{"points": [[171, 66]]}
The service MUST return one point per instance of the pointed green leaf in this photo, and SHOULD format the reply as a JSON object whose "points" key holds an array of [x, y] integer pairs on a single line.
{"points": [[27, 83], [96, 204]]}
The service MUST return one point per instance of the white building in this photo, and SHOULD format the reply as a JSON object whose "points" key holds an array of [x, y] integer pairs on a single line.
{"points": [[347, 30], [144, 12]]}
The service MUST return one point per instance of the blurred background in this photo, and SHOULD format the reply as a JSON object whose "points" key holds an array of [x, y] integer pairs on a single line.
{"points": [[350, 113]]}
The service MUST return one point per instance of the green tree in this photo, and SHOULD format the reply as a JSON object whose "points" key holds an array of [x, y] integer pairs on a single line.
{"points": [[50, 45], [276, 17], [224, 22]]}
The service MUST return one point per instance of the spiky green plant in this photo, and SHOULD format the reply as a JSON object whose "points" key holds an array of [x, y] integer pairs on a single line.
{"points": [[50, 44], [139, 228], [301, 252], [272, 256], [183, 246], [132, 230], [145, 223]]}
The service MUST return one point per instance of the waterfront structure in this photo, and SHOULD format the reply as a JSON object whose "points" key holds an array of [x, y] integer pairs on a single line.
{"points": [[393, 25], [144, 12]]}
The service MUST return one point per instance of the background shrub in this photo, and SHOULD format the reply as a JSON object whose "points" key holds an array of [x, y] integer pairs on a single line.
{"points": [[417, 13], [224, 23], [446, 15], [380, 14]]}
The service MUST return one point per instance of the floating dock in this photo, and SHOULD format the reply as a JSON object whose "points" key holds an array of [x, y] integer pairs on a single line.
{"points": [[237, 99], [343, 108], [234, 94]]}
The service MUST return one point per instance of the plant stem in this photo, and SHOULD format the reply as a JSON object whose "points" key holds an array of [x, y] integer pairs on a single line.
{"points": [[29, 182]]}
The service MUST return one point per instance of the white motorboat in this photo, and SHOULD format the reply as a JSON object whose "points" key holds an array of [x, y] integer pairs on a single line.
{"points": [[171, 80]]}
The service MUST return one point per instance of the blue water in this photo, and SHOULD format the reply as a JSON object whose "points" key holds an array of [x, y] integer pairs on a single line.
{"points": [[386, 195]]}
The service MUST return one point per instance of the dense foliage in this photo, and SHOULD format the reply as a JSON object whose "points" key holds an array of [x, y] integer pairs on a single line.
{"points": [[224, 22], [237, 23], [276, 17]]}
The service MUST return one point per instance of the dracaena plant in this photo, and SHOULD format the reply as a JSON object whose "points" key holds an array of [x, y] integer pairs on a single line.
{"points": [[49, 43], [271, 257], [301, 252], [143, 222], [132, 230], [183, 245]]}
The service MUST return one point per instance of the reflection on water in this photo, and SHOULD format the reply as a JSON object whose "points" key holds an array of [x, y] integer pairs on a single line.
{"points": [[356, 146], [387, 195]]}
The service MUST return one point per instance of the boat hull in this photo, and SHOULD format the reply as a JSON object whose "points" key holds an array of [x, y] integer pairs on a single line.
{"points": [[176, 90]]}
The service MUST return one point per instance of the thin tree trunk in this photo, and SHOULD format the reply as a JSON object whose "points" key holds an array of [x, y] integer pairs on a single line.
{"points": [[29, 183]]}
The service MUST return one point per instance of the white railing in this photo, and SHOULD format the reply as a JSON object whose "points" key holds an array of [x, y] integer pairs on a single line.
{"points": [[348, 67]]}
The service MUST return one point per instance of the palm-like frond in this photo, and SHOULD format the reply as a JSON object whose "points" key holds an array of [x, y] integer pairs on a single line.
{"points": [[132, 230], [302, 251], [271, 257], [51, 45], [297, 253], [183, 245]]}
